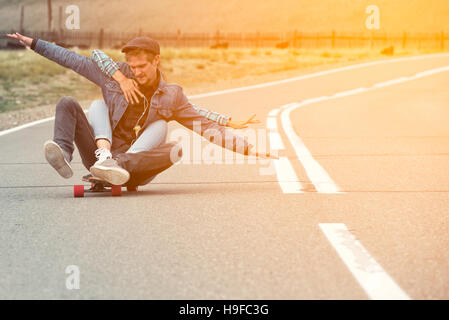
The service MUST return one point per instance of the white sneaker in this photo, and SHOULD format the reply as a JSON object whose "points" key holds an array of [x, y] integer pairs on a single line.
{"points": [[56, 158], [102, 154], [110, 171]]}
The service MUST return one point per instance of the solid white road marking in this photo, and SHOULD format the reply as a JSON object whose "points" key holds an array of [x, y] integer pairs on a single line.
{"points": [[369, 274], [26, 125], [287, 179], [317, 175]]}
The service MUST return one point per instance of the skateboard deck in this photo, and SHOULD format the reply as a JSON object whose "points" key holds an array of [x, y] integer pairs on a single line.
{"points": [[99, 185]]}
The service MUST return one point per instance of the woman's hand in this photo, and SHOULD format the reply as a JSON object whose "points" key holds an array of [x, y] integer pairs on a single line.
{"points": [[129, 87], [242, 124], [26, 41]]}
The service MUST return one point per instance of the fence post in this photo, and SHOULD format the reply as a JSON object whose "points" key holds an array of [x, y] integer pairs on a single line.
{"points": [[404, 40], [442, 40], [217, 37], [295, 35], [372, 39], [178, 37], [333, 39], [49, 14], [22, 15], [100, 39]]}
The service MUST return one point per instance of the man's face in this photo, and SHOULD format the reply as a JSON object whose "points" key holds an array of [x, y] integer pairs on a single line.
{"points": [[144, 70]]}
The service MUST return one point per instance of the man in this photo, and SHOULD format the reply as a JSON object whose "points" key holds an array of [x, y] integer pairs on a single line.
{"points": [[162, 101]]}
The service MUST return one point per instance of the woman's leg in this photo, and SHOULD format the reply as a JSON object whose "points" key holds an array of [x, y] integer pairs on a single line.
{"points": [[99, 121], [153, 136]]}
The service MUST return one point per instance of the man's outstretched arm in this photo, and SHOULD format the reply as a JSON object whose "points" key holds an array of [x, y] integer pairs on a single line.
{"points": [[64, 57], [186, 115]]}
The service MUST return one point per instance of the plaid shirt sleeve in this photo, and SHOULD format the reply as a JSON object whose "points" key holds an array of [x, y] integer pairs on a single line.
{"points": [[213, 116], [104, 62]]}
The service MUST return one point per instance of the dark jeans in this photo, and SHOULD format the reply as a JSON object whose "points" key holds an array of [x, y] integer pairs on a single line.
{"points": [[71, 125]]}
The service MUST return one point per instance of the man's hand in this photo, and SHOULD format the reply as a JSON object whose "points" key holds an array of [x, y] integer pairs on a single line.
{"points": [[26, 41], [129, 87], [242, 124], [265, 155]]}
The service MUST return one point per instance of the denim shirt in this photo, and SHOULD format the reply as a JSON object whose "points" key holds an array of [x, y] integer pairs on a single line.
{"points": [[110, 67], [168, 102]]}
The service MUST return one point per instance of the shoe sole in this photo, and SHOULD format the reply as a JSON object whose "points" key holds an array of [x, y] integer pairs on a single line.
{"points": [[55, 158], [115, 176]]}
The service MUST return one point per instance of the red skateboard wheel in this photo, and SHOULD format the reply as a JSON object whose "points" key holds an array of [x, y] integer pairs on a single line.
{"points": [[116, 191], [78, 191]]}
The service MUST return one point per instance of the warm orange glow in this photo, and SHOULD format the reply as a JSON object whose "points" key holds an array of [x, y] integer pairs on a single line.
{"points": [[239, 16]]}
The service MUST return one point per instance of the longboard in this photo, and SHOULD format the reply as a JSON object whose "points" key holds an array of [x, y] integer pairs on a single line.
{"points": [[99, 185]]}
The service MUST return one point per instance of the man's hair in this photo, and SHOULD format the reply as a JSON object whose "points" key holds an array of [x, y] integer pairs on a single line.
{"points": [[137, 51]]}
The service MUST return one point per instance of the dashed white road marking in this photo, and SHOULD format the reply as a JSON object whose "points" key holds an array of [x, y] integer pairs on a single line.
{"points": [[377, 284], [276, 141], [271, 124], [288, 181], [274, 112]]}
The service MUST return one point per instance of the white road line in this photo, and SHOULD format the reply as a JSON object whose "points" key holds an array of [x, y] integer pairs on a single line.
{"points": [[390, 82], [377, 284], [276, 141], [272, 83], [350, 92], [274, 112], [272, 124], [26, 125], [317, 175], [287, 179], [318, 74], [286, 176]]}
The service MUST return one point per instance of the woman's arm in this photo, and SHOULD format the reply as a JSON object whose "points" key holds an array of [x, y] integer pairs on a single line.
{"points": [[110, 68]]}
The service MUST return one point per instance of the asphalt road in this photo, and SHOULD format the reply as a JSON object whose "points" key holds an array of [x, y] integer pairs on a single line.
{"points": [[230, 231]]}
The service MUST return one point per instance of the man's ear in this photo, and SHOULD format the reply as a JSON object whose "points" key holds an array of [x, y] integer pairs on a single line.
{"points": [[156, 60]]}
